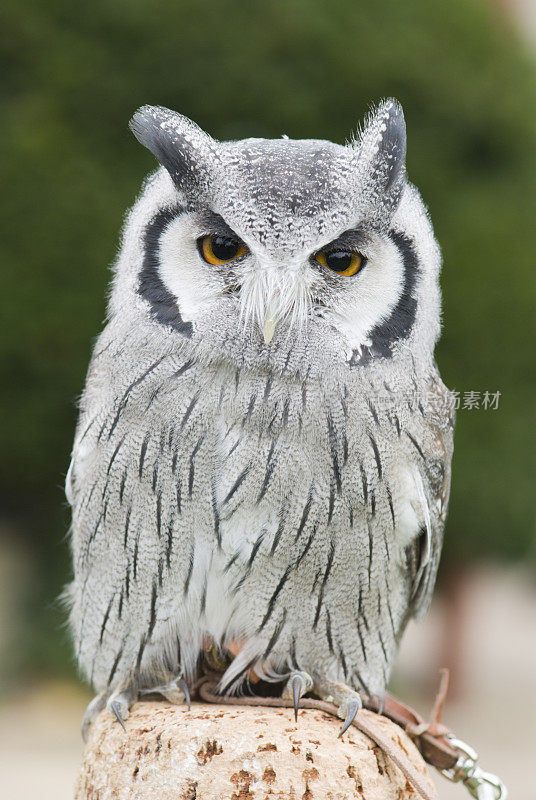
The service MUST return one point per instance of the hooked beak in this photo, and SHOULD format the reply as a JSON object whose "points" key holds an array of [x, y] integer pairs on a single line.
{"points": [[270, 298], [271, 317]]}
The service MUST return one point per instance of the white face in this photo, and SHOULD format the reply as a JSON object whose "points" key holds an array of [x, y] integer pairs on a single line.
{"points": [[304, 288], [277, 239]]}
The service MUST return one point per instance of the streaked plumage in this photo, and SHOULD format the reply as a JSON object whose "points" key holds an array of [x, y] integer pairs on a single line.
{"points": [[289, 495]]}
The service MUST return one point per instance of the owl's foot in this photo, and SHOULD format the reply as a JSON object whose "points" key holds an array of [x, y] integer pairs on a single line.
{"points": [[297, 685], [347, 701], [119, 702], [176, 691]]}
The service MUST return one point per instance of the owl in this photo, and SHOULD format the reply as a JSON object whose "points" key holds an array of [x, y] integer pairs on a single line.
{"points": [[262, 459]]}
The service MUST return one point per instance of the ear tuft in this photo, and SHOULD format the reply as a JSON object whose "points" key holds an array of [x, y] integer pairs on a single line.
{"points": [[382, 154], [177, 142]]}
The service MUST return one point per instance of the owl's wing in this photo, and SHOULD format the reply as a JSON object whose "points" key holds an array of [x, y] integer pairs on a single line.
{"points": [[434, 477]]}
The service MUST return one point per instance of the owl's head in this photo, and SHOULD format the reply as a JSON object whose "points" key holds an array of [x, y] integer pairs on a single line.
{"points": [[261, 245]]}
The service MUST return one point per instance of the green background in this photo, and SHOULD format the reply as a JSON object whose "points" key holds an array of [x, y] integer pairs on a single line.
{"points": [[71, 76]]}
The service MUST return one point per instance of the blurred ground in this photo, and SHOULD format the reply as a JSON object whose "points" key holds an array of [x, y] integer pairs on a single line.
{"points": [[40, 745]]}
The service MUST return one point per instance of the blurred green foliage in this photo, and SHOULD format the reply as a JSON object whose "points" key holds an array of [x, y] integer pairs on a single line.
{"points": [[73, 73]]}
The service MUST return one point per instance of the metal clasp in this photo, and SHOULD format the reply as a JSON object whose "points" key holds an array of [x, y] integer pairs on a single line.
{"points": [[479, 784]]}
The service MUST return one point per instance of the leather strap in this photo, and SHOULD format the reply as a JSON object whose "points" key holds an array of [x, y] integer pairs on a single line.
{"points": [[429, 737]]}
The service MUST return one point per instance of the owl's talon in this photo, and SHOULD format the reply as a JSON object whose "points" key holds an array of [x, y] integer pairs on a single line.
{"points": [[347, 700], [352, 707], [116, 709], [379, 700], [297, 685], [119, 704], [175, 691], [186, 692], [92, 711]]}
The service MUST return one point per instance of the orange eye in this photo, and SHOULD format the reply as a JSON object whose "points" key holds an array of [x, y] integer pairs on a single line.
{"points": [[343, 262], [220, 249]]}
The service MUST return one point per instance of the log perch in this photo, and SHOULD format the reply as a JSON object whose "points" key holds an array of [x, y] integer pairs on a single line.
{"points": [[220, 752]]}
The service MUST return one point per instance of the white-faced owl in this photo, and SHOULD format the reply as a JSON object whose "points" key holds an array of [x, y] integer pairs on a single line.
{"points": [[264, 443]]}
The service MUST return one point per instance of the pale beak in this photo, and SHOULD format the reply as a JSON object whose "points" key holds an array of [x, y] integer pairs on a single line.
{"points": [[271, 317], [269, 329]]}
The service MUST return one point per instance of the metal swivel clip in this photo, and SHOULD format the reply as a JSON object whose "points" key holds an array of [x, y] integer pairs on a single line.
{"points": [[479, 784]]}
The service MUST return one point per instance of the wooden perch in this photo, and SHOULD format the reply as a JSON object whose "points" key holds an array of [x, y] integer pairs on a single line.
{"points": [[215, 752]]}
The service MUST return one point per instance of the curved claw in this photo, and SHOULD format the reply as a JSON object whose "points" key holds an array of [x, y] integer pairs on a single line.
{"points": [[176, 690], [119, 704], [380, 701], [298, 684], [116, 707], [353, 706], [92, 711], [186, 691]]}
